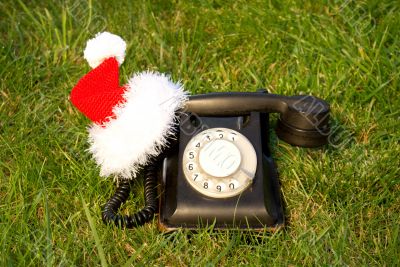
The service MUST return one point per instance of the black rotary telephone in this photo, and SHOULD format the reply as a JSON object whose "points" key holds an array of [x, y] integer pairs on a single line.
{"points": [[218, 170]]}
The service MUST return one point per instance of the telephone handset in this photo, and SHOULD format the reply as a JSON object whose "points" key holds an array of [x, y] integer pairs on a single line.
{"points": [[220, 170], [304, 119]]}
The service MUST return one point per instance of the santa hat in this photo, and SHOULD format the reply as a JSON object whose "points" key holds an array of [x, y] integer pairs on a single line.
{"points": [[131, 123]]}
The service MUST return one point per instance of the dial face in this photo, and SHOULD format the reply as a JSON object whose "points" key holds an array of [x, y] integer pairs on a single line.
{"points": [[219, 162]]}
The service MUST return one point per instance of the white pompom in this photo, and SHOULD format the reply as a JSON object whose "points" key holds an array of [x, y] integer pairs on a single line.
{"points": [[103, 46]]}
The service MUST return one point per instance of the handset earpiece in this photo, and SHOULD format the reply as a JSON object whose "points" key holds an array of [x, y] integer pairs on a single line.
{"points": [[304, 119], [305, 122]]}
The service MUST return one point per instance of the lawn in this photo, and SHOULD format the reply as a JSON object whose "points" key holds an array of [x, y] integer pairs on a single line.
{"points": [[342, 201]]}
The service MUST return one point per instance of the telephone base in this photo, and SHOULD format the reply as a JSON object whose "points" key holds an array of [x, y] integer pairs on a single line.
{"points": [[258, 207]]}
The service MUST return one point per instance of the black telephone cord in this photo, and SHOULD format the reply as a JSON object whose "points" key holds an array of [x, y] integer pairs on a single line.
{"points": [[110, 213]]}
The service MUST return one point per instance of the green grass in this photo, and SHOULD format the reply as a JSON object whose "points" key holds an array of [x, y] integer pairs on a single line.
{"points": [[342, 201]]}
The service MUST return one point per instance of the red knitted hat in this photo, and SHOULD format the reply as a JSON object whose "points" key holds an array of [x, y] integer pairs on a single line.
{"points": [[130, 122]]}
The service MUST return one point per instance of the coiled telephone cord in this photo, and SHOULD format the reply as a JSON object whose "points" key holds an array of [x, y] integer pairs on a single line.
{"points": [[110, 213]]}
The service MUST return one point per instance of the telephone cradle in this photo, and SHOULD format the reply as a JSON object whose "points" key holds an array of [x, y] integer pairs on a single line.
{"points": [[218, 170]]}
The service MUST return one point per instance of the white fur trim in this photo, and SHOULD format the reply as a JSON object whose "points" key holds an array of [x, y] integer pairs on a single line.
{"points": [[142, 124], [104, 45]]}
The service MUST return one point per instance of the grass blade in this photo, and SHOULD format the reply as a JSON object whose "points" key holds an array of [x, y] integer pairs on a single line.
{"points": [[95, 235]]}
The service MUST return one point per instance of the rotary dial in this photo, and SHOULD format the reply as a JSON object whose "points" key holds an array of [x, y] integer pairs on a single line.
{"points": [[219, 162]]}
